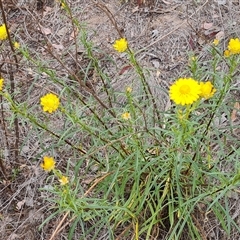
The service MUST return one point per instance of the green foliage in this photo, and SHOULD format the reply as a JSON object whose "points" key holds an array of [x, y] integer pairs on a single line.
{"points": [[147, 174]]}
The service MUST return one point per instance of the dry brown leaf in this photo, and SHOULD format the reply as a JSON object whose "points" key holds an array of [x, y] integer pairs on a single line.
{"points": [[46, 10], [168, 3], [221, 2], [45, 31], [219, 35], [14, 236], [135, 9], [63, 31], [58, 47], [73, 34], [207, 25], [20, 204], [125, 69]]}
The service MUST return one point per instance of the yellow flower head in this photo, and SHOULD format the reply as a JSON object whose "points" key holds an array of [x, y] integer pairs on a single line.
{"points": [[128, 89], [126, 116], [3, 32], [16, 45], [63, 180], [50, 102], [185, 91], [121, 45], [216, 42], [63, 5], [1, 84], [207, 90], [48, 163], [193, 58], [234, 46], [226, 53]]}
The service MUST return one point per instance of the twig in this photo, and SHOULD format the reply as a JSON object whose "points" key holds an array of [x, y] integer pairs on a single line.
{"points": [[12, 84], [110, 16], [8, 33], [58, 226], [3, 168], [2, 121], [95, 183], [16, 125]]}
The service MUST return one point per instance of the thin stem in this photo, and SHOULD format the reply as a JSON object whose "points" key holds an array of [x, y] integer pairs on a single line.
{"points": [[12, 84]]}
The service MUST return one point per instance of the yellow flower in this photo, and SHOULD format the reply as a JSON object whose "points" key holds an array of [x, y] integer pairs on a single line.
{"points": [[3, 32], [185, 91], [16, 45], [120, 45], [207, 90], [128, 89], [50, 102], [226, 53], [234, 46], [215, 42], [48, 163], [126, 116], [62, 4], [193, 58], [63, 180], [1, 84]]}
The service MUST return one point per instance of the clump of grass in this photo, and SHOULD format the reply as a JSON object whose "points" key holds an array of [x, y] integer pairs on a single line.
{"points": [[139, 172]]}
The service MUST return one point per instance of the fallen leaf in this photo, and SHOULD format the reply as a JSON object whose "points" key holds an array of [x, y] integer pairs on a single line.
{"points": [[220, 35], [164, 1], [20, 204], [63, 31], [45, 31], [155, 33], [215, 16], [221, 2], [192, 42], [73, 34], [155, 63], [139, 2], [29, 72], [58, 47], [207, 25], [135, 9], [46, 10], [158, 73], [13, 236], [210, 34], [124, 69]]}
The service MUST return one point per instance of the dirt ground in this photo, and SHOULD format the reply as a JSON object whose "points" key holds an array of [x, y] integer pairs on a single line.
{"points": [[162, 32]]}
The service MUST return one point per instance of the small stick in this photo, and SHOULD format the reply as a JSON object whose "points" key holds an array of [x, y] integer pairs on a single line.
{"points": [[12, 84], [58, 226]]}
